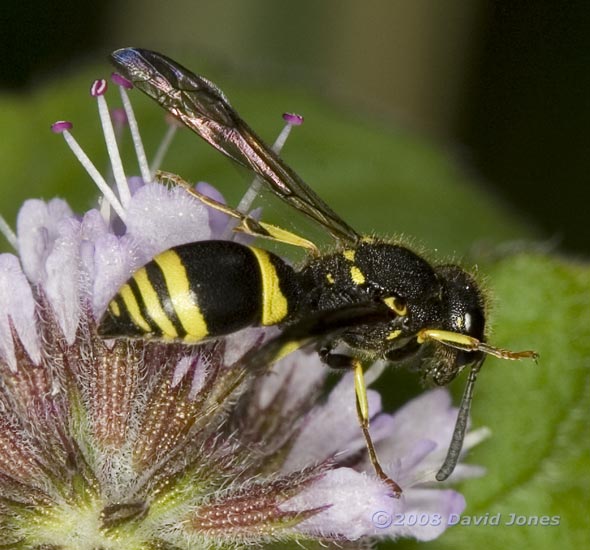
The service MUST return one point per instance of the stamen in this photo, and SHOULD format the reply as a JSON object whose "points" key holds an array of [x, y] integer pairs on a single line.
{"points": [[63, 127], [120, 80], [124, 85], [104, 207], [97, 90], [291, 119], [173, 126], [119, 118], [8, 233], [253, 191]]}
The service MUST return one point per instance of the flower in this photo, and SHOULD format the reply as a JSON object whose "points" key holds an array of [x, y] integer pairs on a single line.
{"points": [[138, 444]]}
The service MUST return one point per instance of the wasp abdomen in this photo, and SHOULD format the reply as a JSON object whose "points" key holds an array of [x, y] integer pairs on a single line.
{"points": [[202, 290]]}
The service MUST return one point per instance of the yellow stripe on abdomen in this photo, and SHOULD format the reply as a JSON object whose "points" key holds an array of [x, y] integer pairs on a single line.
{"points": [[182, 297], [153, 306], [274, 304], [132, 308], [114, 308]]}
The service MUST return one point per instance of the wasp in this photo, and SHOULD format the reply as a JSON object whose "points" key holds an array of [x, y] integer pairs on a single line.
{"points": [[378, 299]]}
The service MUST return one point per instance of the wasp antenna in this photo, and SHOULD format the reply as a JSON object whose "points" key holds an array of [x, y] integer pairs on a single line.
{"points": [[460, 426]]}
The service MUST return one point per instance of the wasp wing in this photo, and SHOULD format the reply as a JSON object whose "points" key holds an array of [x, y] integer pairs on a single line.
{"points": [[203, 107], [315, 328]]}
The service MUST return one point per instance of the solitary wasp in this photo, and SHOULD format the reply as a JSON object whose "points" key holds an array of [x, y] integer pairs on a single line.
{"points": [[379, 299]]}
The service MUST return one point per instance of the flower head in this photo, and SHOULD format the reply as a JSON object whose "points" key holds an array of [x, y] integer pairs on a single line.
{"points": [[139, 444]]}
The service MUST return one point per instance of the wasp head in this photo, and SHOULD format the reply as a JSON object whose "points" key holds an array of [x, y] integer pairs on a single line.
{"points": [[463, 307]]}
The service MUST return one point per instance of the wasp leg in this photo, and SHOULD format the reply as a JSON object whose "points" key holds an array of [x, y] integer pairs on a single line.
{"points": [[315, 329], [339, 361], [469, 343], [246, 224]]}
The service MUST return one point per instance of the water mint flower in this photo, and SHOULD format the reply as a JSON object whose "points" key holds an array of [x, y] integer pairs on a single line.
{"points": [[144, 445]]}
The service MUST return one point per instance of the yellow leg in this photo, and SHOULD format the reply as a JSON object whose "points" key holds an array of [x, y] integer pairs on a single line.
{"points": [[246, 224], [469, 343], [362, 409]]}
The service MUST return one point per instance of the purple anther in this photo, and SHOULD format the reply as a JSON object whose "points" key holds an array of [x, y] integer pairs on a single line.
{"points": [[119, 116], [293, 119], [61, 126], [120, 80], [99, 87]]}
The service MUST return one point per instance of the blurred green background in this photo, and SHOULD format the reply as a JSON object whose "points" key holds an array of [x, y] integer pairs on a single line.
{"points": [[503, 86], [464, 124]]}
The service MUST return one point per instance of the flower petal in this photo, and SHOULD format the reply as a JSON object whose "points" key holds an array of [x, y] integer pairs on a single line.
{"points": [[63, 277], [115, 260], [302, 372], [238, 343], [159, 218], [18, 305], [332, 428], [429, 416], [425, 514], [352, 498], [37, 228], [419, 438], [217, 220]]}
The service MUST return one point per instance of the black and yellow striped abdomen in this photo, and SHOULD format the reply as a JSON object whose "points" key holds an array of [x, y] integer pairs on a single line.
{"points": [[202, 290]]}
